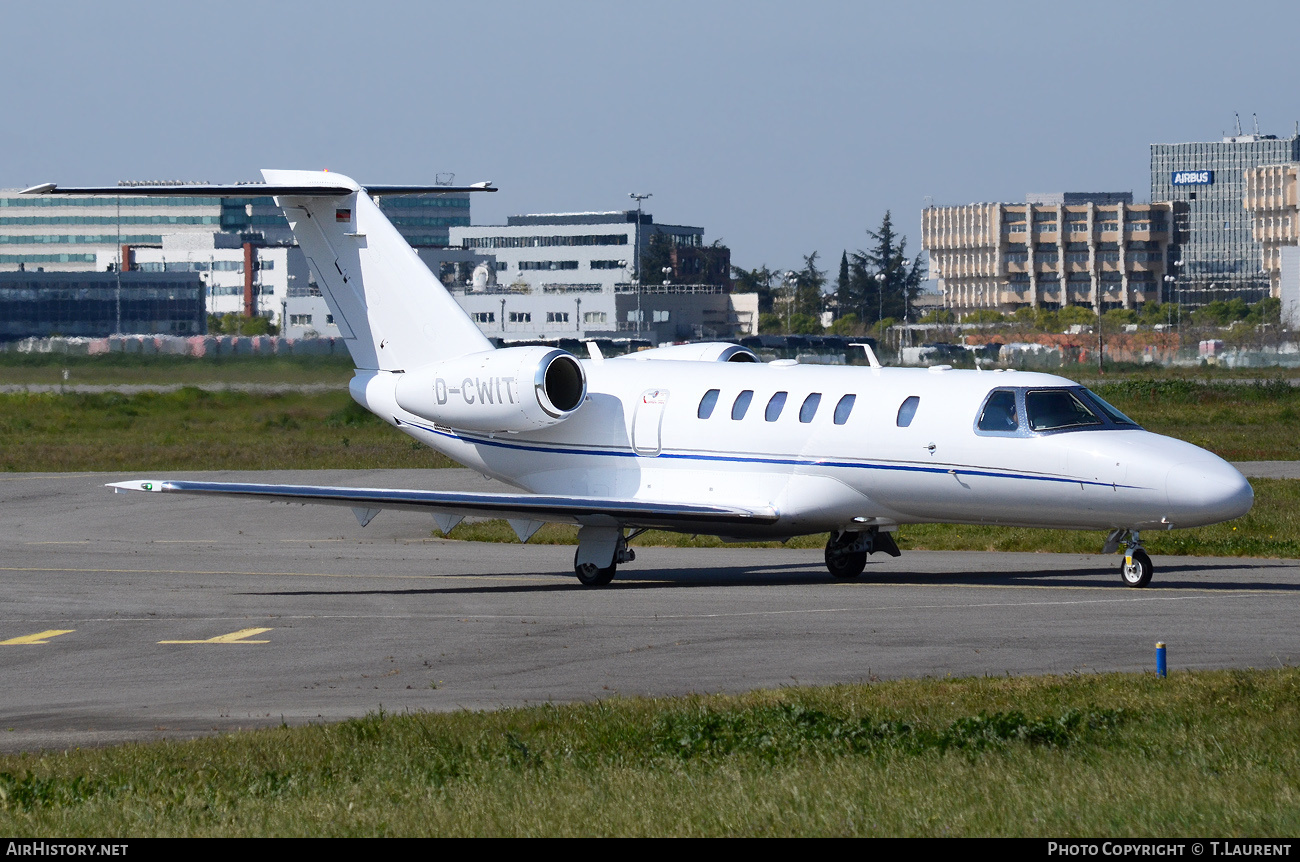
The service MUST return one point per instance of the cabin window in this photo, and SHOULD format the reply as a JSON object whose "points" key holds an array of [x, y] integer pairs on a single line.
{"points": [[774, 407], [844, 408], [907, 410], [707, 403], [741, 405], [1055, 409], [999, 413], [809, 408]]}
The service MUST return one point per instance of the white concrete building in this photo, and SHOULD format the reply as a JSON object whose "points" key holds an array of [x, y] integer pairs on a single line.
{"points": [[241, 278], [574, 275]]}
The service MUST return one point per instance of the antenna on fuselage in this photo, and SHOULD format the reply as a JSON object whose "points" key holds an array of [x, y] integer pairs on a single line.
{"points": [[871, 354]]}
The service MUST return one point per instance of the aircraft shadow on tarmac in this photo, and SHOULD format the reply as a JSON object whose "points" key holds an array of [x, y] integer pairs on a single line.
{"points": [[801, 574]]}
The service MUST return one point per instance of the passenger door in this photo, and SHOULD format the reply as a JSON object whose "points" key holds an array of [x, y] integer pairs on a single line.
{"points": [[647, 422]]}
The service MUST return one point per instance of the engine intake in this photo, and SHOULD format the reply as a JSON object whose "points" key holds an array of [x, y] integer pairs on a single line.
{"points": [[512, 389]]}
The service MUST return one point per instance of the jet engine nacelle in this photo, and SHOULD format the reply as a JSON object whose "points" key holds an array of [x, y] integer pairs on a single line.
{"points": [[512, 389], [708, 351]]}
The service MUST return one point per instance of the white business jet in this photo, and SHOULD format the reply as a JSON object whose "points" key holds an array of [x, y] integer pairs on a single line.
{"points": [[703, 438]]}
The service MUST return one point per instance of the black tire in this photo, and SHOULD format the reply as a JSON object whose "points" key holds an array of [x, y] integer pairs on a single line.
{"points": [[1136, 573], [845, 565], [591, 575]]}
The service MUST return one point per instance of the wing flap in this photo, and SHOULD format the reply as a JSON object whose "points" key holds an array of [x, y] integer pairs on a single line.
{"points": [[594, 511]]}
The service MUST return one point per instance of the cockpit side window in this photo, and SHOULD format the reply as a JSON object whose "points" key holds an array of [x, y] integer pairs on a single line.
{"points": [[999, 413], [907, 410], [1057, 409]]}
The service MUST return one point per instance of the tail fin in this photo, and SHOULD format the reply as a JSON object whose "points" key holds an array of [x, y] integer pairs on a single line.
{"points": [[392, 311]]}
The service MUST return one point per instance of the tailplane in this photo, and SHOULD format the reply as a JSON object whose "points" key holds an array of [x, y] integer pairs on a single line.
{"points": [[392, 312]]}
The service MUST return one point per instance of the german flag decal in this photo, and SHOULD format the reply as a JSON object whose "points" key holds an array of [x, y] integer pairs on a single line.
{"points": [[342, 215]]}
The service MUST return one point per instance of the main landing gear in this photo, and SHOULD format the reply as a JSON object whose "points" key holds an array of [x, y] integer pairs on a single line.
{"points": [[846, 551], [600, 550], [1136, 570]]}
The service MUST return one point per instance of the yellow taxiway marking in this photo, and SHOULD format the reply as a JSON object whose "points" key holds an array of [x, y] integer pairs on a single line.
{"points": [[232, 638], [38, 638], [79, 542]]}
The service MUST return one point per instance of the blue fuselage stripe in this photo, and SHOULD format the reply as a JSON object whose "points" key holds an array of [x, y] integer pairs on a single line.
{"points": [[749, 459]]}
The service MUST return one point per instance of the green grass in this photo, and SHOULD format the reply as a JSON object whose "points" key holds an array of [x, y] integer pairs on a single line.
{"points": [[1206, 753], [1270, 529], [195, 430], [1240, 422], [127, 368], [191, 429]]}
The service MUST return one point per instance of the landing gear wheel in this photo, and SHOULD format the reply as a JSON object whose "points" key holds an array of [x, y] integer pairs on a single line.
{"points": [[591, 575], [1136, 569], [844, 564]]}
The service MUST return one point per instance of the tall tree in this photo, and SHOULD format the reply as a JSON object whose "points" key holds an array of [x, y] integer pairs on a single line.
{"points": [[809, 283], [885, 281], [844, 288]]}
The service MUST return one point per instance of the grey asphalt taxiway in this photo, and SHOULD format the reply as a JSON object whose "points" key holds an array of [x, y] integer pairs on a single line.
{"points": [[140, 616]]}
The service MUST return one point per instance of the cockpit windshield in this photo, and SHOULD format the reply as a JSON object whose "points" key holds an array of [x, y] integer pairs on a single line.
{"points": [[1020, 411], [1110, 412], [1057, 409]]}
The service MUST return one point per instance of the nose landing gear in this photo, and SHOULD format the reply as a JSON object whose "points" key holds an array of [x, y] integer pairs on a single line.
{"points": [[1136, 570]]}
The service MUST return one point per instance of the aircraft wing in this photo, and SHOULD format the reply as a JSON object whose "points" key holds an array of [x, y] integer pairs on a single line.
{"points": [[587, 511]]}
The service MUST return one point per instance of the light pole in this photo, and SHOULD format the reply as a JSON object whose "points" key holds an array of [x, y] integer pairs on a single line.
{"points": [[791, 283], [1101, 345], [1179, 293], [880, 297], [636, 254], [903, 265], [577, 315], [1169, 292], [117, 294]]}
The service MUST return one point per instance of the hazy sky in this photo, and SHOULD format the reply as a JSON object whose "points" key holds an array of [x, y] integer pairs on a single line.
{"points": [[781, 128]]}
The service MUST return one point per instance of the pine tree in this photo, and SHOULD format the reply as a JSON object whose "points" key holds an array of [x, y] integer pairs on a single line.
{"points": [[844, 288], [894, 294], [809, 282]]}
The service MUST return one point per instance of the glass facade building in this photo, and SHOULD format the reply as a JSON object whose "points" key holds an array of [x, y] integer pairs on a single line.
{"points": [[97, 304], [63, 233], [1220, 257]]}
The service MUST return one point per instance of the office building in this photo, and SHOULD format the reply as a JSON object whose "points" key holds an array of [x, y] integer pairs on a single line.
{"points": [[241, 248], [1270, 199], [69, 234], [252, 279], [574, 275], [95, 304], [1217, 255], [1071, 248]]}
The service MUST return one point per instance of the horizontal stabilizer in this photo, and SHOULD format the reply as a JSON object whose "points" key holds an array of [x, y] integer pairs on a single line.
{"points": [[248, 190], [599, 511]]}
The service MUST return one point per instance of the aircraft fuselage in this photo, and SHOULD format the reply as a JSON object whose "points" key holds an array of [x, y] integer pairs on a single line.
{"points": [[642, 433]]}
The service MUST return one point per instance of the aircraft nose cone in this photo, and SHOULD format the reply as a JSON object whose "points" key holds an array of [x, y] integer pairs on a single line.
{"points": [[1207, 492]]}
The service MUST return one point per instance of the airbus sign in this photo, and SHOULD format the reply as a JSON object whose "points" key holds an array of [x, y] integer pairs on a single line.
{"points": [[1193, 178]]}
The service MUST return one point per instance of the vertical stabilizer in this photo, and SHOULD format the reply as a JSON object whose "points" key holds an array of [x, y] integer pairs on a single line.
{"points": [[392, 311]]}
